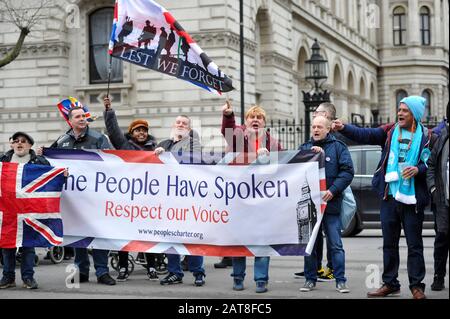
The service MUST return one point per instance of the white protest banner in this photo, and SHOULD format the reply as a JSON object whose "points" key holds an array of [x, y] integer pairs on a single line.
{"points": [[117, 195]]}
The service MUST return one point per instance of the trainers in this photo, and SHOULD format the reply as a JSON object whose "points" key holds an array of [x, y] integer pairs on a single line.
{"points": [[438, 284], [308, 286], [171, 279], [123, 275], [238, 284], [7, 283], [299, 274], [151, 274], [261, 286], [342, 287], [199, 279], [325, 275], [30, 283], [106, 279]]}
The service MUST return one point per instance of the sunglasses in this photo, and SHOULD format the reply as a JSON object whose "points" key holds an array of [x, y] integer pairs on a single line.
{"points": [[20, 140]]}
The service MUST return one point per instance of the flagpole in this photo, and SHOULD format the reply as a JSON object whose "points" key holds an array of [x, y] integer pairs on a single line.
{"points": [[109, 74], [241, 41]]}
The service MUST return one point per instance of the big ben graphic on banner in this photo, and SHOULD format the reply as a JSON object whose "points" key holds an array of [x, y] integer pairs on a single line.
{"points": [[306, 214]]}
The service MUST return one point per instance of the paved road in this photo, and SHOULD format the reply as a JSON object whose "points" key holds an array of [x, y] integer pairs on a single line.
{"points": [[361, 252]]}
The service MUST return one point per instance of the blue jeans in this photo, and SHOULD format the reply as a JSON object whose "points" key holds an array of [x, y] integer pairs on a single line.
{"points": [[195, 264], [261, 269], [26, 264], [332, 227], [100, 258], [393, 215]]}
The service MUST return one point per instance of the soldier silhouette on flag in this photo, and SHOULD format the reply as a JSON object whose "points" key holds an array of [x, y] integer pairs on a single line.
{"points": [[185, 47], [147, 35], [127, 28], [170, 42]]}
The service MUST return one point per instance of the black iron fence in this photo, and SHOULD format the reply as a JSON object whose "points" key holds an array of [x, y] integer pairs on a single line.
{"points": [[291, 133]]}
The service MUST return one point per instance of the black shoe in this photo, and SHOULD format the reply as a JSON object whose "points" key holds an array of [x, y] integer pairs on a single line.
{"points": [[224, 263], [199, 279], [83, 278], [106, 279], [171, 279], [7, 283], [299, 274], [30, 283], [123, 275], [438, 284]]}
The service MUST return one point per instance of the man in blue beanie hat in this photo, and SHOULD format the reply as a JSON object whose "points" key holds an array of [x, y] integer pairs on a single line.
{"points": [[400, 181]]}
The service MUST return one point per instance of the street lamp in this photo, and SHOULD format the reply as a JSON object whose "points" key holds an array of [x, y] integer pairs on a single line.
{"points": [[316, 69]]}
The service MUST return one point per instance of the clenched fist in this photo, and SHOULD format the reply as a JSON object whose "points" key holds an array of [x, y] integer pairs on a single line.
{"points": [[227, 109]]}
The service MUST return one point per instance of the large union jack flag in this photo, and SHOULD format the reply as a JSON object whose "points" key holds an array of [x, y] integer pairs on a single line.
{"points": [[29, 205]]}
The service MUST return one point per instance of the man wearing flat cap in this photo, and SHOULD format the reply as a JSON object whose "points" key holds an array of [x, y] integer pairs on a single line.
{"points": [[400, 181], [21, 153]]}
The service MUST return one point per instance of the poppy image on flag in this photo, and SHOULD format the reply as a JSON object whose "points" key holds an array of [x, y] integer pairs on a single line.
{"points": [[65, 105], [146, 34]]}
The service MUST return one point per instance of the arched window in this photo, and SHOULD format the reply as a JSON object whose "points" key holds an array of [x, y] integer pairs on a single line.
{"points": [[425, 26], [427, 95], [100, 23], [399, 26], [399, 96]]}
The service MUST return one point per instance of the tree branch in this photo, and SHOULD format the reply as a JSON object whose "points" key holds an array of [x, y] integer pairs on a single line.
{"points": [[12, 55]]}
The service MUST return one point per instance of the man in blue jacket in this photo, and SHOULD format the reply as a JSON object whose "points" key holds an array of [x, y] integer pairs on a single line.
{"points": [[339, 174], [400, 181]]}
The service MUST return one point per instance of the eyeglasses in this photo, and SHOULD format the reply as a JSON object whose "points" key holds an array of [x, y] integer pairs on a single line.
{"points": [[20, 140]]}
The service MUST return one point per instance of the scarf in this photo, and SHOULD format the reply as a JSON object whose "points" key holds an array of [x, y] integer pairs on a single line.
{"points": [[403, 189]]}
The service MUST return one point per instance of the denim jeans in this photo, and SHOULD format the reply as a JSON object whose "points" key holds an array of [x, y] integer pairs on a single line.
{"points": [[331, 225], [261, 268], [100, 258], [393, 215], [319, 251], [195, 264], [26, 264]]}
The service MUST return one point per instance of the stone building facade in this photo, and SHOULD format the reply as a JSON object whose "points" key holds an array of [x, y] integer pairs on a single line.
{"points": [[377, 51]]}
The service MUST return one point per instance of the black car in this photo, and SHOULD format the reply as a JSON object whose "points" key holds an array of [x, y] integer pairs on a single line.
{"points": [[365, 159]]}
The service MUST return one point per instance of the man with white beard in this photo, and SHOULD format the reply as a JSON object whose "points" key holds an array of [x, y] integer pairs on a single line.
{"points": [[183, 143]]}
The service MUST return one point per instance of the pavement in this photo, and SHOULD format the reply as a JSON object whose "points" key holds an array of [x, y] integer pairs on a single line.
{"points": [[363, 272]]}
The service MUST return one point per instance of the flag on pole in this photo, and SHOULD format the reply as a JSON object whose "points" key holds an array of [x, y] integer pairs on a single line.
{"points": [[146, 34]]}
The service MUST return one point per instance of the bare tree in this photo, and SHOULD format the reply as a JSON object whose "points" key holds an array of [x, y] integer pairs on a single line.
{"points": [[25, 15]]}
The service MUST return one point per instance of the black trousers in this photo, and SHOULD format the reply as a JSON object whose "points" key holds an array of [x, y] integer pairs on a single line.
{"points": [[440, 254], [150, 257]]}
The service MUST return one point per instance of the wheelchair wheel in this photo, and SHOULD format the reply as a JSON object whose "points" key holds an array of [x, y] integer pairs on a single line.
{"points": [[56, 254], [161, 264], [114, 262]]}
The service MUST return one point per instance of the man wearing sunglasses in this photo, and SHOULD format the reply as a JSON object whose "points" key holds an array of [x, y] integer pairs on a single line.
{"points": [[21, 153]]}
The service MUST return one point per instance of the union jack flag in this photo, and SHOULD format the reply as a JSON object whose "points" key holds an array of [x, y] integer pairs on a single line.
{"points": [[29, 205]]}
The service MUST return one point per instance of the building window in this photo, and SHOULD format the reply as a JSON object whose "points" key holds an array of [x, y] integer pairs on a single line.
{"points": [[399, 96], [425, 26], [100, 23], [399, 26], [427, 95]]}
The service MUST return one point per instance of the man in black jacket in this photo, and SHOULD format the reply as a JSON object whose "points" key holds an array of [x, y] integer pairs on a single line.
{"points": [[21, 153], [137, 139], [438, 185]]}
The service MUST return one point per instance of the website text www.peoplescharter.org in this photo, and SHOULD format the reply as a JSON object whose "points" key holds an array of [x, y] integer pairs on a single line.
{"points": [[170, 233]]}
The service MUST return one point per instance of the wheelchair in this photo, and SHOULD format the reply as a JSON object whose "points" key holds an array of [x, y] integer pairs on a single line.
{"points": [[161, 262]]}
